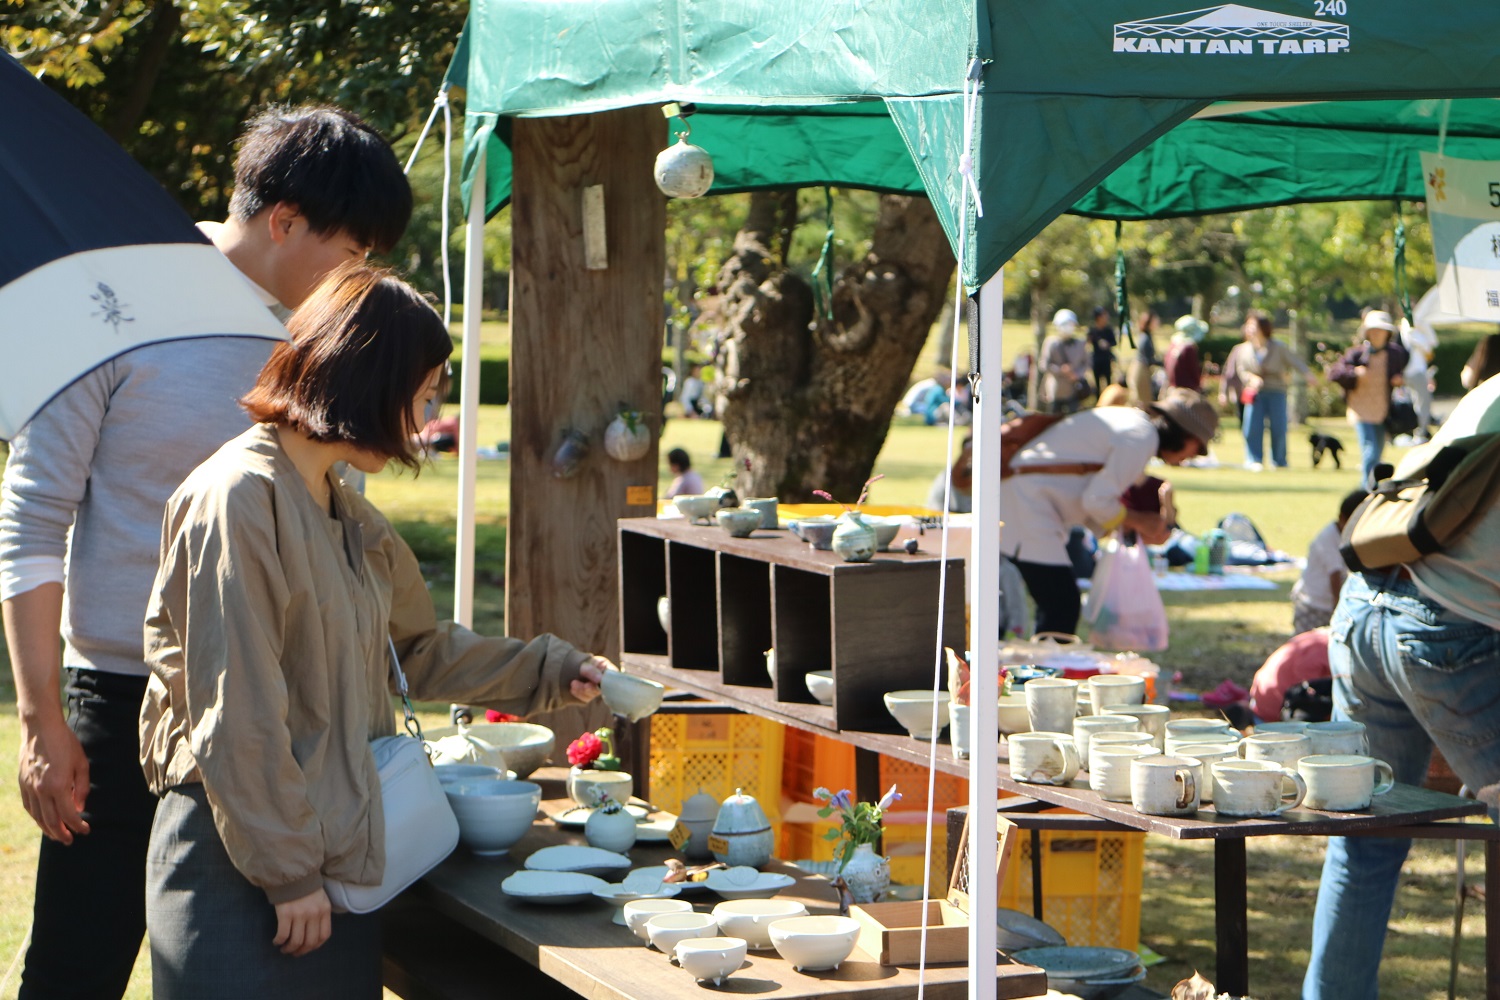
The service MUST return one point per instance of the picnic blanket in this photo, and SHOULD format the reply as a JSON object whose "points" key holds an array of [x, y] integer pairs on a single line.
{"points": [[1175, 580]]}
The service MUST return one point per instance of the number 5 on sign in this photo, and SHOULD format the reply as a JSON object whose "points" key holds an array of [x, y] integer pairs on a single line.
{"points": [[1463, 205]]}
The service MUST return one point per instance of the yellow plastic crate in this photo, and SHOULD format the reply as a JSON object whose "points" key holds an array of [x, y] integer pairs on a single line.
{"points": [[1091, 885], [716, 754]]}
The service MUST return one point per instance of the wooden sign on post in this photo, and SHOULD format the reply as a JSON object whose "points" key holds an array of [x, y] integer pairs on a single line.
{"points": [[595, 246]]}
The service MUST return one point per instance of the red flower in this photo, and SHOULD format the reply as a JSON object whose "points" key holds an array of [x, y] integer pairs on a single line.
{"points": [[490, 715], [585, 750]]}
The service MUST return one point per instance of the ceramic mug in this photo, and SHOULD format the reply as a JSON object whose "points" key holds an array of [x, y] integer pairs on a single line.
{"points": [[1116, 689], [1281, 748], [1208, 754], [1227, 740], [1051, 704], [768, 510], [1250, 788], [1164, 786], [1337, 738], [1280, 727], [1109, 769], [1344, 782], [1041, 758], [1183, 729], [1086, 726], [1153, 719], [1113, 739]]}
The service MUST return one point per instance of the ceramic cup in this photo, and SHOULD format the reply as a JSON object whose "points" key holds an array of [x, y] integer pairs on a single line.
{"points": [[1249, 788], [1042, 758], [1086, 726], [1281, 748], [1337, 738], [1116, 689], [1109, 768], [768, 510], [1208, 754], [1153, 719], [1180, 729], [1164, 786], [1344, 782], [1114, 739], [1051, 704], [1227, 740], [1280, 727]]}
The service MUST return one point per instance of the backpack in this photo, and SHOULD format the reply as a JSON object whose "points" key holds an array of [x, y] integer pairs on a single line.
{"points": [[1018, 432], [1443, 490]]}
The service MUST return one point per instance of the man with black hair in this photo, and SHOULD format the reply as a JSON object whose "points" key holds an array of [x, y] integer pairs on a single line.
{"points": [[80, 515]]}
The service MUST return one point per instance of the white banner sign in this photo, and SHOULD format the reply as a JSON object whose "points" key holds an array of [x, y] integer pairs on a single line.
{"points": [[1463, 205]]}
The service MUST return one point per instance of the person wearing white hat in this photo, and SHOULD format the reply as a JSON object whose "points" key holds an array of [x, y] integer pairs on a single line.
{"points": [[1065, 358], [1366, 373]]}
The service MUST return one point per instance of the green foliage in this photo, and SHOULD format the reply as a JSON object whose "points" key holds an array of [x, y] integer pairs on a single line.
{"points": [[859, 822]]}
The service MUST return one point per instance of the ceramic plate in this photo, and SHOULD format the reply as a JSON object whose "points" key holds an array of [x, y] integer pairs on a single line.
{"points": [[573, 858], [1080, 962], [1022, 930], [660, 871], [621, 893], [829, 869], [579, 815], [551, 887], [742, 882]]}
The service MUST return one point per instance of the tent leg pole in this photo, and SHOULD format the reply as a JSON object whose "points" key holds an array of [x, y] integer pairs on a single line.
{"points": [[468, 423]]}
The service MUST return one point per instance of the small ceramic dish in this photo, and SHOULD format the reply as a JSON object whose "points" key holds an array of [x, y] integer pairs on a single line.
{"points": [[574, 858], [637, 912], [913, 710], [750, 919], [666, 929], [1017, 930], [710, 958], [1080, 962], [814, 944], [697, 509], [553, 888], [744, 882], [820, 685], [660, 871], [577, 816], [620, 893]]}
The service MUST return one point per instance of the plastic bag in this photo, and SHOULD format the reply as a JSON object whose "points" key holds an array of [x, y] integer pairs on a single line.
{"points": [[1123, 608]]}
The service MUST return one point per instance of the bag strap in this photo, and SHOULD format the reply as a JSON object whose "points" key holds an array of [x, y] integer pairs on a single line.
{"points": [[412, 725], [1057, 469]]}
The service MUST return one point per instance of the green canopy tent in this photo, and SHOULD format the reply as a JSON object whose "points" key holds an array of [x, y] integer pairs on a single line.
{"points": [[1132, 110]]}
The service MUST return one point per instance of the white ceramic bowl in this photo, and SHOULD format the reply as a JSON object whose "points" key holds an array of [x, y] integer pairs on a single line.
{"points": [[712, 958], [1013, 717], [524, 745], [666, 929], [913, 710], [750, 919], [886, 529], [639, 911], [813, 944], [631, 696], [493, 814], [820, 685], [448, 774], [696, 508]]}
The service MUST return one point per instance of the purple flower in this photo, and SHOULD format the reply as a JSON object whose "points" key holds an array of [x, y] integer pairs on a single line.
{"points": [[822, 794], [841, 800], [890, 798]]}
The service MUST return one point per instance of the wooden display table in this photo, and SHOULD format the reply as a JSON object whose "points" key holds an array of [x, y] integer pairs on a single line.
{"points": [[581, 949]]}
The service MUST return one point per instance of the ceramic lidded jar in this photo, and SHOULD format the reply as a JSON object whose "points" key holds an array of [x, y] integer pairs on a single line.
{"points": [[853, 539], [742, 834], [695, 823], [610, 830]]}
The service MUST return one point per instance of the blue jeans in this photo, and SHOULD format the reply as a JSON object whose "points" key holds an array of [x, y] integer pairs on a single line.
{"points": [[1417, 675], [1266, 407], [1371, 444]]}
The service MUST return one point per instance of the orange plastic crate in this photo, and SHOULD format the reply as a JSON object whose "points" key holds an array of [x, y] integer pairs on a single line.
{"points": [[716, 754]]}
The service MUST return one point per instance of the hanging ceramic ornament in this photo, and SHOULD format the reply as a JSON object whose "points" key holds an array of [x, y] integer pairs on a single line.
{"points": [[627, 437], [684, 170]]}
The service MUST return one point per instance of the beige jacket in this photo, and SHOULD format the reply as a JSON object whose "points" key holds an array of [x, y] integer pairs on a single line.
{"points": [[266, 639]]}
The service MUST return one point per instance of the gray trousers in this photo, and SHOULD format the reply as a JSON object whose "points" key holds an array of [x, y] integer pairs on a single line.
{"points": [[211, 930]]}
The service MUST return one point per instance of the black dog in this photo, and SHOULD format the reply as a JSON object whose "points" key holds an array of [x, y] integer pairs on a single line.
{"points": [[1322, 443]]}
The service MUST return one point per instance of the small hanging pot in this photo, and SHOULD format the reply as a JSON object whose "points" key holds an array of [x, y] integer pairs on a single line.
{"points": [[627, 437]]}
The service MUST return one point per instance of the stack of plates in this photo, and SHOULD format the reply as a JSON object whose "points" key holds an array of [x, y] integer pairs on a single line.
{"points": [[1091, 973]]}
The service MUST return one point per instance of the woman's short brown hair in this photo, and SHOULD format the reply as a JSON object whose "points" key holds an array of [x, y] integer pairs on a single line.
{"points": [[362, 346]]}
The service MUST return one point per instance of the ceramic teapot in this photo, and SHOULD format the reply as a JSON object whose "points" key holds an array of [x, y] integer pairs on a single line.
{"points": [[694, 824], [742, 834]]}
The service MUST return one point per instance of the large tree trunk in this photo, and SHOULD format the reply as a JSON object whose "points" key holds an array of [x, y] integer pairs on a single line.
{"points": [[808, 399]]}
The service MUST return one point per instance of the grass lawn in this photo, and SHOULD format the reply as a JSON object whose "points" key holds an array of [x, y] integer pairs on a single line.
{"points": [[1213, 636]]}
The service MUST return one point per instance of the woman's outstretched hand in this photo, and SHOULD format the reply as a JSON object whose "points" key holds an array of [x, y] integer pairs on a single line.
{"points": [[586, 686]]}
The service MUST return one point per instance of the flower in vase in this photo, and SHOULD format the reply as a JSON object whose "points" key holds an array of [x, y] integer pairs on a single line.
{"points": [[859, 822], [594, 750]]}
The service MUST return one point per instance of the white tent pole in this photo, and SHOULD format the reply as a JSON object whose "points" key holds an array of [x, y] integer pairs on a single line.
{"points": [[468, 399], [984, 633]]}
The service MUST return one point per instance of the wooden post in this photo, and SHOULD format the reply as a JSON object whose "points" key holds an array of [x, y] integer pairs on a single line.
{"points": [[582, 343]]}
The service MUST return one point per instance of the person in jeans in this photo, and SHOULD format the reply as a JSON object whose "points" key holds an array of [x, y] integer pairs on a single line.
{"points": [[1265, 367], [1366, 373], [80, 517], [1075, 472], [1415, 656]]}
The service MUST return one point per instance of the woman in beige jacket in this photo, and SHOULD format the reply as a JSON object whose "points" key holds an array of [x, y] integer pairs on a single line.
{"points": [[267, 641]]}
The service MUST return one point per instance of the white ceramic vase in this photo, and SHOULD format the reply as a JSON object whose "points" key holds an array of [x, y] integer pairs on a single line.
{"points": [[610, 831], [853, 539], [867, 874]]}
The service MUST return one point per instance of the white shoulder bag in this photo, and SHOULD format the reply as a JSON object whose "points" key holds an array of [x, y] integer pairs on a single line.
{"points": [[420, 828]]}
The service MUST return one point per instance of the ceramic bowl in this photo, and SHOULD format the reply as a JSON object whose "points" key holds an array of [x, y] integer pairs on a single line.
{"points": [[711, 958], [631, 696], [744, 882], [553, 888], [1016, 930], [820, 685], [493, 813], [524, 745], [666, 929], [886, 529], [697, 509], [448, 774], [913, 710], [575, 858], [639, 911], [1013, 716], [750, 919], [620, 893], [813, 944], [816, 531], [740, 522]]}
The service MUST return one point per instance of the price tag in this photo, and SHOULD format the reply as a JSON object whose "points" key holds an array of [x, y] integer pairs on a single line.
{"points": [[640, 496], [679, 835], [717, 844]]}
